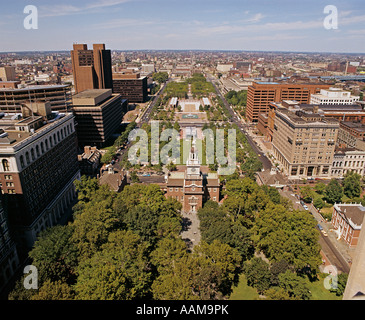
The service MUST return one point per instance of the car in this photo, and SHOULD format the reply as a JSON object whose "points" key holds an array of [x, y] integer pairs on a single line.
{"points": [[305, 207], [324, 233], [319, 227]]}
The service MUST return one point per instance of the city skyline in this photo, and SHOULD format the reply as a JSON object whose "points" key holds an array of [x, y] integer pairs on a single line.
{"points": [[172, 25]]}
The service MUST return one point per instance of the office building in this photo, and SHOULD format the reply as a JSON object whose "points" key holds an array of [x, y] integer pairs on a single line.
{"points": [[7, 73], [92, 69], [350, 113], [304, 143], [261, 94], [38, 165], [333, 96], [98, 114], [9, 261], [57, 95], [349, 134], [130, 86], [347, 160]]}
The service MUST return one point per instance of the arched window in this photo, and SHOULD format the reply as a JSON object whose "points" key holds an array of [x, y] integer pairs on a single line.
{"points": [[37, 151], [32, 154], [22, 162], [58, 136], [6, 166], [46, 144], [27, 157], [50, 141], [42, 147]]}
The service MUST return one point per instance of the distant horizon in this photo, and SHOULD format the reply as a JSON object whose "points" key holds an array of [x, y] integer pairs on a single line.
{"points": [[197, 50]]}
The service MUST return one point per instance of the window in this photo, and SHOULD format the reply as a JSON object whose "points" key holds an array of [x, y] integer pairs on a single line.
{"points": [[42, 147], [22, 162], [6, 166], [11, 191], [37, 151], [32, 154], [27, 157], [8, 177], [10, 184]]}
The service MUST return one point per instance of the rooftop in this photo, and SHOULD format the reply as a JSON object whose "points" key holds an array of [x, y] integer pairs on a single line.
{"points": [[353, 212], [91, 97]]}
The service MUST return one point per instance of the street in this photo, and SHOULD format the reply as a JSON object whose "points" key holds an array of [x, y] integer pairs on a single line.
{"points": [[234, 118], [328, 242]]}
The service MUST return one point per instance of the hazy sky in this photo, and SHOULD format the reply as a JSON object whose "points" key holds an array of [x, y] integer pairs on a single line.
{"points": [[269, 25]]}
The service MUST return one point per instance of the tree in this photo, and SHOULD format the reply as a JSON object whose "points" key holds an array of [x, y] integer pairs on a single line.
{"points": [[307, 194], [276, 293], [171, 166], [333, 192], [208, 273], [341, 284], [294, 285], [288, 235], [134, 177], [118, 272], [320, 187], [352, 185], [257, 274], [55, 255], [168, 251], [57, 290], [160, 77], [318, 202]]}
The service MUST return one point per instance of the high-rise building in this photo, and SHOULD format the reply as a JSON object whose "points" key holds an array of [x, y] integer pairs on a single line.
{"points": [[7, 73], [304, 143], [9, 260], [130, 86], [98, 114], [260, 94], [92, 69], [38, 165]]}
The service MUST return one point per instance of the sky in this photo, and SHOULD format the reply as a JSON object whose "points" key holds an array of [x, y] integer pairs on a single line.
{"points": [[254, 25]]}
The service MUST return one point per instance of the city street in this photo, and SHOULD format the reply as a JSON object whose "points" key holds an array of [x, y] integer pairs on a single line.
{"points": [[235, 119], [336, 251]]}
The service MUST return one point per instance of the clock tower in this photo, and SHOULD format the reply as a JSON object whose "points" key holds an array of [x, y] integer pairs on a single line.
{"points": [[193, 182]]}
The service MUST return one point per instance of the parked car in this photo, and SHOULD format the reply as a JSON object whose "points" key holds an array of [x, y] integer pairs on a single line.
{"points": [[305, 207]]}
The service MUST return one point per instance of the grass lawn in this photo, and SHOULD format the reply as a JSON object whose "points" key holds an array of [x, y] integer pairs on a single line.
{"points": [[243, 291], [319, 292]]}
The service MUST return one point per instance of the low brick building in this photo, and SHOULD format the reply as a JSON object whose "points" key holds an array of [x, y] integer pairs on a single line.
{"points": [[347, 220], [192, 187]]}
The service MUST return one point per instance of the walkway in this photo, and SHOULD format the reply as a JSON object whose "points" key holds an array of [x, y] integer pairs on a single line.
{"points": [[190, 233]]}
